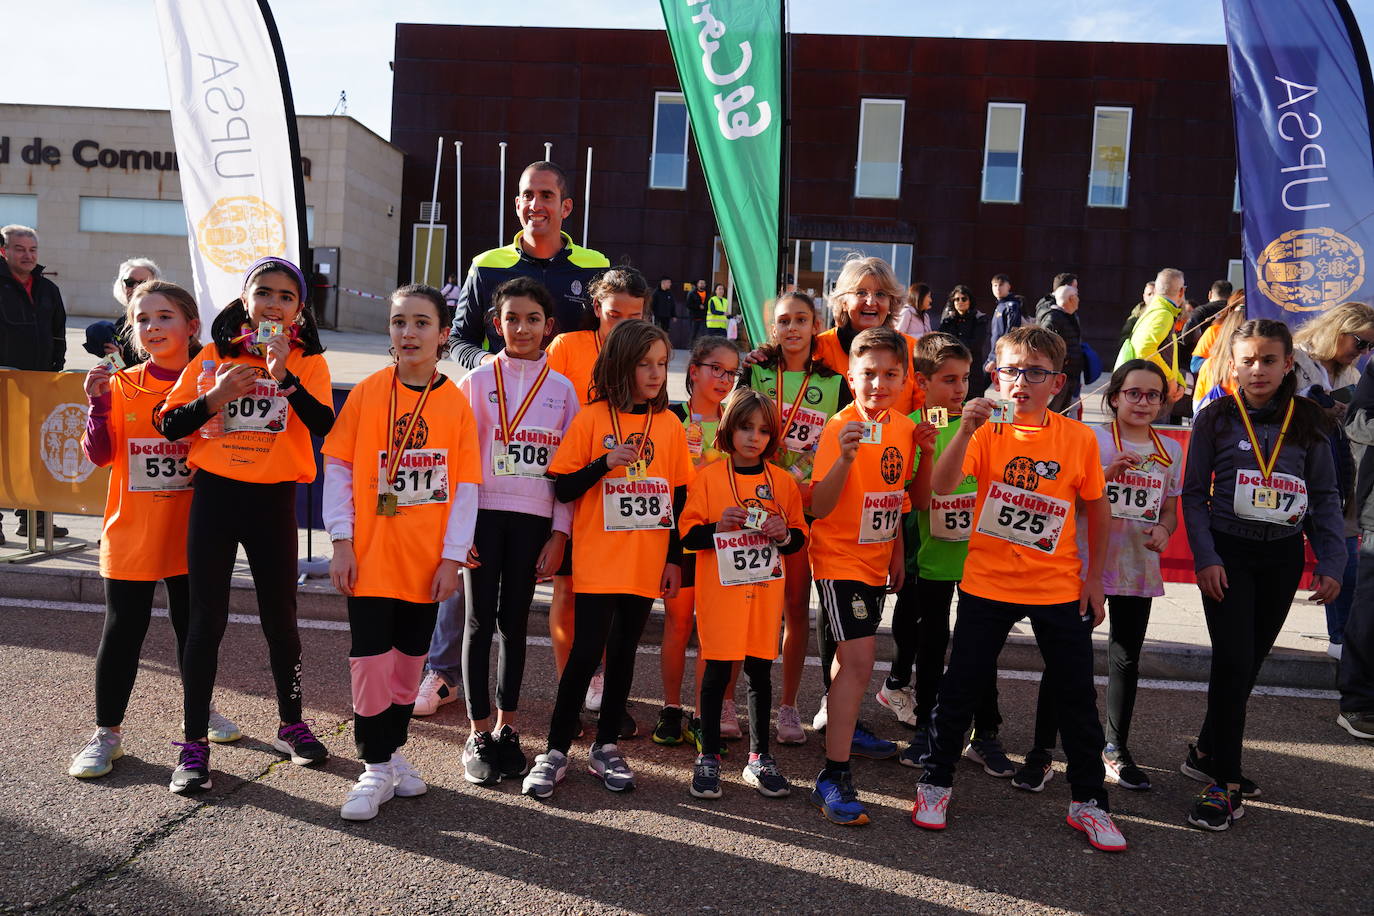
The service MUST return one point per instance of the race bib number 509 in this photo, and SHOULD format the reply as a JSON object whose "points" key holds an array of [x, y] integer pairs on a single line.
{"points": [[260, 410]]}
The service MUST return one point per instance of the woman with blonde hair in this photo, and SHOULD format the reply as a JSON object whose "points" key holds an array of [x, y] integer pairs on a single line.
{"points": [[1212, 355], [106, 337]]}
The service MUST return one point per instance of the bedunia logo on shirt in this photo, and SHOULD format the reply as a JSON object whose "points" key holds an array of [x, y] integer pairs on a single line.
{"points": [[632, 488], [882, 502], [1024, 500], [159, 448], [1253, 478]]}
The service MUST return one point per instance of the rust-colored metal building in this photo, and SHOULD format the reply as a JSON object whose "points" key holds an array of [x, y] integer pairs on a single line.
{"points": [[953, 158]]}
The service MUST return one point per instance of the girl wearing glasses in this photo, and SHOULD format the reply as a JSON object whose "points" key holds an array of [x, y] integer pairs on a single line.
{"points": [[1143, 480], [962, 319]]}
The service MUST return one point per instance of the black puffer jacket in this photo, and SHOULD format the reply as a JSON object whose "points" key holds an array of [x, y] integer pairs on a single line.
{"points": [[33, 331]]}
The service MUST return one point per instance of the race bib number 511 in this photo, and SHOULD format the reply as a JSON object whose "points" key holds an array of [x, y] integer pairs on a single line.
{"points": [[635, 505], [1022, 517], [422, 477]]}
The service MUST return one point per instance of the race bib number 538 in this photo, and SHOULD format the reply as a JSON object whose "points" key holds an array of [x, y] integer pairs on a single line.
{"points": [[1023, 517], [633, 505]]}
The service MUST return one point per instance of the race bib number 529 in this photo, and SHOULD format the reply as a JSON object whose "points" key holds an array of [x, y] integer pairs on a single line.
{"points": [[746, 557]]}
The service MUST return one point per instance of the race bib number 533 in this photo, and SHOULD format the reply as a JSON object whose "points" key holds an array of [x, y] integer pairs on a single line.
{"points": [[1023, 517], [156, 464], [634, 505]]}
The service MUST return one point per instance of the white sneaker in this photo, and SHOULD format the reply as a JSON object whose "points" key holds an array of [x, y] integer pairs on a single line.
{"points": [[98, 756], [1333, 649], [789, 726], [594, 691], [407, 778], [1097, 825], [434, 692], [822, 715], [221, 729], [729, 721], [932, 806], [373, 789], [901, 701]]}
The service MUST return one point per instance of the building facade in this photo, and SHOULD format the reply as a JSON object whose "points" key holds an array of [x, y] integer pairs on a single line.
{"points": [[953, 158], [101, 185]]}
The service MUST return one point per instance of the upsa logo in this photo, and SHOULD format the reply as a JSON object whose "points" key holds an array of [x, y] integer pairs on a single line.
{"points": [[1310, 270], [59, 442], [238, 231]]}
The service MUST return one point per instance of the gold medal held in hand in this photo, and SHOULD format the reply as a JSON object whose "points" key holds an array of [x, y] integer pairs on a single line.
{"points": [[386, 504]]}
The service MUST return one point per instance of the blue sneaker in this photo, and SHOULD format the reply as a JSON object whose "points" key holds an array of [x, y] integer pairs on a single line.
{"points": [[838, 801], [866, 744]]}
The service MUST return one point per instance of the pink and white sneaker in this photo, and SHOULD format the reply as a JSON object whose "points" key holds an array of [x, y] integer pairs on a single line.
{"points": [[932, 806], [1097, 825]]}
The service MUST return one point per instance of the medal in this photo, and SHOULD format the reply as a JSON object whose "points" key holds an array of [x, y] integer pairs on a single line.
{"points": [[755, 518], [638, 469], [1003, 411], [1160, 454], [502, 465], [266, 331], [870, 431], [790, 414], [510, 425], [937, 417], [1266, 497], [386, 504]]}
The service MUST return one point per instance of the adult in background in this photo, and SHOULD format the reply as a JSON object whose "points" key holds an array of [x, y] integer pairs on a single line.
{"points": [[1062, 318], [450, 292], [914, 318], [1155, 336], [542, 251], [663, 304], [962, 319], [1128, 326], [1008, 313], [1355, 677], [1200, 317], [696, 308], [1325, 351], [33, 322], [106, 337], [717, 312]]}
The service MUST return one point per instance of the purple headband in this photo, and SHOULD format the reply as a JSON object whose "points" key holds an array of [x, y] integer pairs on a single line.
{"points": [[278, 262]]}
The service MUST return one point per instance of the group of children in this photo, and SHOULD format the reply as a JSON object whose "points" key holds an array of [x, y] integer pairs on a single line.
{"points": [[857, 462]]}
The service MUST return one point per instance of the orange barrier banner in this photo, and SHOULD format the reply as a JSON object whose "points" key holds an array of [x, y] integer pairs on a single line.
{"points": [[42, 417]]}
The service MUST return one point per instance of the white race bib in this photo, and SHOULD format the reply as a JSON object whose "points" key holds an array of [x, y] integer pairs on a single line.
{"points": [[1138, 495], [636, 505], [156, 464], [746, 557], [261, 410], [1282, 500], [881, 517], [530, 451], [805, 430], [1023, 517], [421, 479], [951, 517]]}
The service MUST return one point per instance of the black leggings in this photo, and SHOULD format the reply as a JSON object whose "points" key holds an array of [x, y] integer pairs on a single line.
{"points": [[386, 660], [1128, 617], [1262, 578], [610, 624], [929, 618], [502, 588], [713, 683], [128, 608], [262, 517], [826, 644]]}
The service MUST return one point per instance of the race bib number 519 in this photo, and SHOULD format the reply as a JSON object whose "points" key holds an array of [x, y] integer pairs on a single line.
{"points": [[880, 517]]}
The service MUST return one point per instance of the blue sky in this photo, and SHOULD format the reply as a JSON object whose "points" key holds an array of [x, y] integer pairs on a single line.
{"points": [[102, 53]]}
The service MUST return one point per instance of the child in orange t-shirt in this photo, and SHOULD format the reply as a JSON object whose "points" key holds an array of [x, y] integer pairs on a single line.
{"points": [[1036, 471], [625, 467], [143, 538], [742, 516], [250, 444], [400, 503], [862, 467]]}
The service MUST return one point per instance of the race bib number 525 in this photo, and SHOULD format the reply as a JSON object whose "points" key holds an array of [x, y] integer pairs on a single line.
{"points": [[1023, 517]]}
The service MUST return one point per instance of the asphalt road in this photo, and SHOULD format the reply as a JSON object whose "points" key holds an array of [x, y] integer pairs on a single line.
{"points": [[268, 838]]}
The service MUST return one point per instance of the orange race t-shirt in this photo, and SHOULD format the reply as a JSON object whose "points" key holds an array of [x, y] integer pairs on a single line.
{"points": [[741, 619], [573, 354], [855, 540], [1022, 549], [399, 554], [265, 442], [911, 398], [149, 500], [624, 560]]}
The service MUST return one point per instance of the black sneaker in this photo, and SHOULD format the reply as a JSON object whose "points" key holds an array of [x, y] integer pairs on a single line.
{"points": [[1037, 770], [509, 758], [1359, 724], [481, 763], [706, 777], [1199, 768], [1122, 770], [1216, 811], [918, 748], [193, 768], [762, 773], [985, 749], [669, 729], [299, 743], [57, 530]]}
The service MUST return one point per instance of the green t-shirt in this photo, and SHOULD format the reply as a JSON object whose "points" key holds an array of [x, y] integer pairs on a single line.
{"points": [[821, 402], [928, 557]]}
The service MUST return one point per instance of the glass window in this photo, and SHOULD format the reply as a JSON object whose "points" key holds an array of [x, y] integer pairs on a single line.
{"points": [[133, 217], [879, 172], [668, 165], [1235, 274], [19, 208], [1111, 157], [1002, 155]]}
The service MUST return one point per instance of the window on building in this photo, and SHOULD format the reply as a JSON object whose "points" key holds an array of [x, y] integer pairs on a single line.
{"points": [[1111, 157], [1002, 153], [19, 208], [879, 172], [132, 217], [668, 163], [1235, 274]]}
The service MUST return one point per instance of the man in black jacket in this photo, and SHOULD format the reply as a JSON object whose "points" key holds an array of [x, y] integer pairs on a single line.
{"points": [[1356, 669], [1061, 317], [663, 304]]}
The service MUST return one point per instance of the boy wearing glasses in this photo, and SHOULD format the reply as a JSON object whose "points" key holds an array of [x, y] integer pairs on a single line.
{"points": [[1023, 562]]}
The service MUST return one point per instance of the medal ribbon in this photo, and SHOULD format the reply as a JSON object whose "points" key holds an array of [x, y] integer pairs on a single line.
{"points": [[509, 426], [767, 476], [1160, 453], [644, 437], [864, 414], [126, 378], [790, 415], [1266, 468], [393, 461]]}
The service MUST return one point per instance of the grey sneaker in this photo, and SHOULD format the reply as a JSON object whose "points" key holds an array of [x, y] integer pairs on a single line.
{"points": [[790, 726], [1359, 724], [222, 730], [548, 771], [606, 764], [408, 781], [762, 773], [98, 756]]}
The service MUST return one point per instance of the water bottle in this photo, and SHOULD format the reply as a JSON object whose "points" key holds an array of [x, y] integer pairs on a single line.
{"points": [[214, 427], [695, 437]]}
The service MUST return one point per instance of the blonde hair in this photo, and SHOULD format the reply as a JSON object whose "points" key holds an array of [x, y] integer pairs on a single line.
{"points": [[855, 270], [1221, 359], [1320, 338], [121, 294]]}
